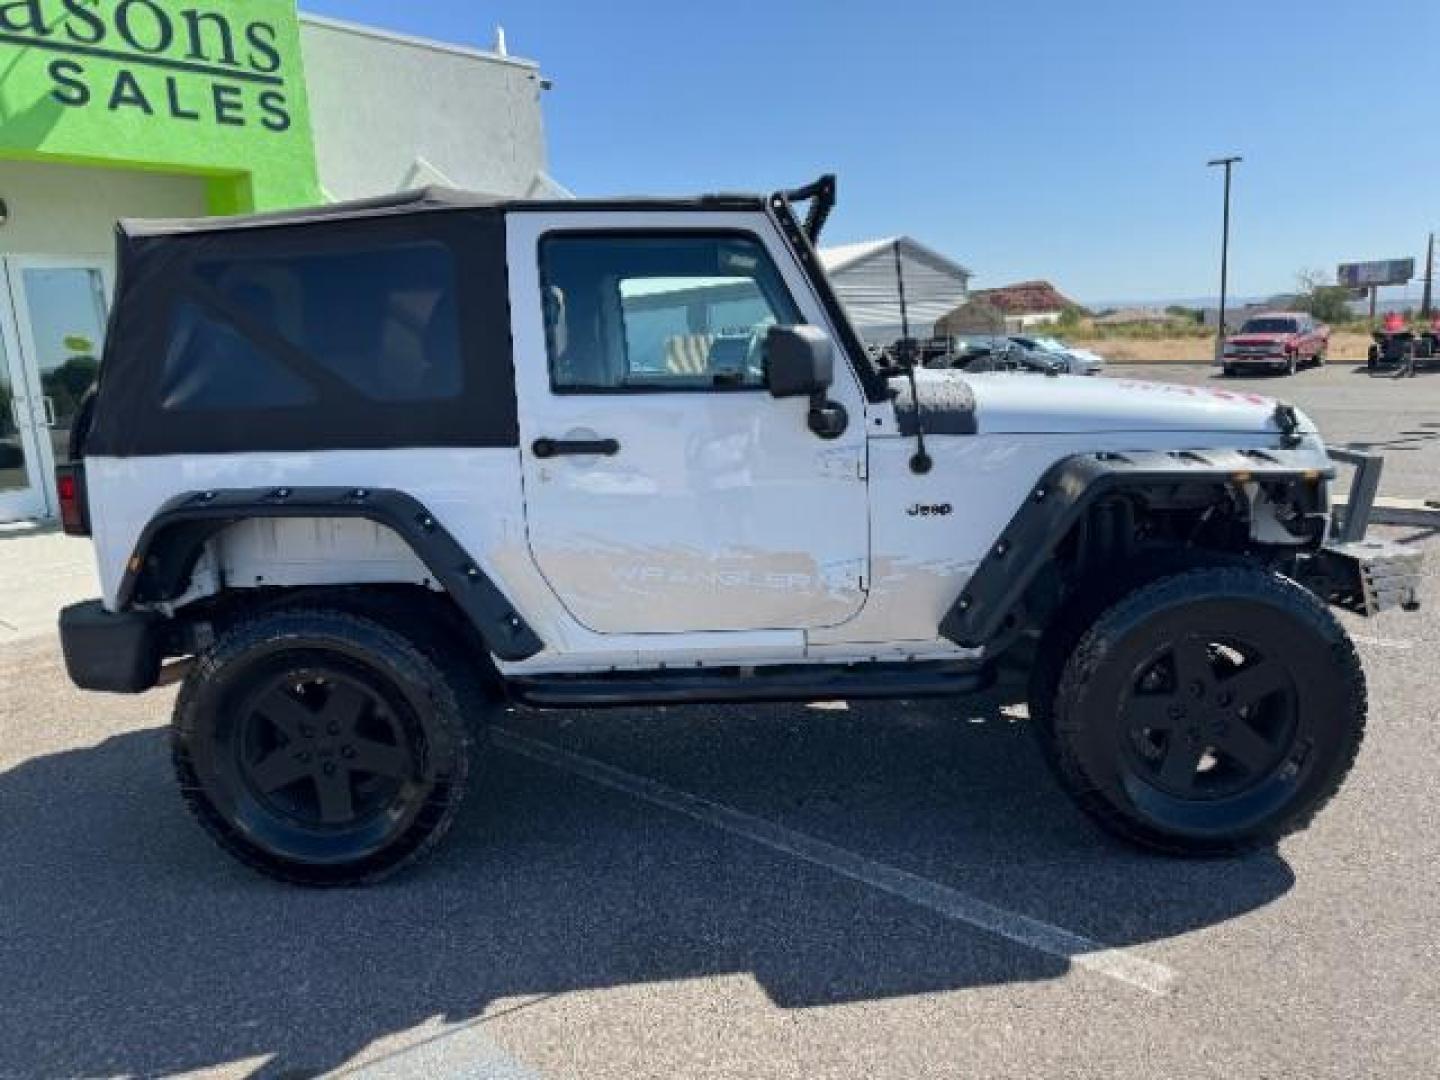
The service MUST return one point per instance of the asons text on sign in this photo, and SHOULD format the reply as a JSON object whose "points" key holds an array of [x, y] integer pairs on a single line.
{"points": [[191, 64]]}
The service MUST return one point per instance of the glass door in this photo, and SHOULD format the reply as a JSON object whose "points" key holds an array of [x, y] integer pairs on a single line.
{"points": [[57, 310], [21, 496]]}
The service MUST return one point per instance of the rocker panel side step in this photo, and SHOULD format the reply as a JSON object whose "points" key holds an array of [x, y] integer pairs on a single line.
{"points": [[726, 686]]}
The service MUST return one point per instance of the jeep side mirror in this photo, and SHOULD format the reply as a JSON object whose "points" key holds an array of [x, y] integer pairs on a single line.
{"points": [[799, 361]]}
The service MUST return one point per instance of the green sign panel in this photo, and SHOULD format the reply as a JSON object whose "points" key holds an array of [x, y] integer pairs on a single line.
{"points": [[208, 87]]}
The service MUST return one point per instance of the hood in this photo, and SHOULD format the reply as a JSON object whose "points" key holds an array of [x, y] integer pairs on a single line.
{"points": [[1006, 402]]}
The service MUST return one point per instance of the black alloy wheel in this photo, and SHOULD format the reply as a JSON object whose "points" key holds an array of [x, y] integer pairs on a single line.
{"points": [[1209, 720], [323, 747]]}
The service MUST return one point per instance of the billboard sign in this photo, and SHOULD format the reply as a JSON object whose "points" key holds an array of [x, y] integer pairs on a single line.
{"points": [[1367, 275]]}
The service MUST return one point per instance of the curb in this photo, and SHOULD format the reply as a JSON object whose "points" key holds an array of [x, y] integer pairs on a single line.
{"points": [[1330, 362]]}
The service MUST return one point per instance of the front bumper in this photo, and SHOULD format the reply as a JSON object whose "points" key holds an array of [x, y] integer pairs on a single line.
{"points": [[1370, 576], [1360, 575], [1256, 360]]}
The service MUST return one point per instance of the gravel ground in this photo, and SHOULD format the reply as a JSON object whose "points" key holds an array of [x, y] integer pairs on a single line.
{"points": [[823, 923]]}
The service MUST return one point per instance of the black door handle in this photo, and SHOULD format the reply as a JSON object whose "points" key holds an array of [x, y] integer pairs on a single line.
{"points": [[546, 447]]}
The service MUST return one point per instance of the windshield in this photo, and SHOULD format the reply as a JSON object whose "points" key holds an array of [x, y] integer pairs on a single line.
{"points": [[1049, 344], [1269, 326]]}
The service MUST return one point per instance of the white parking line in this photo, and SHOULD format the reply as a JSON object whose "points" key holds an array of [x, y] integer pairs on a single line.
{"points": [[1381, 643], [461, 1053], [1119, 964]]}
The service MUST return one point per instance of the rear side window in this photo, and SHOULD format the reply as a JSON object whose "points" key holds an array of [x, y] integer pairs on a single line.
{"points": [[335, 332], [651, 312], [211, 365], [268, 333]]}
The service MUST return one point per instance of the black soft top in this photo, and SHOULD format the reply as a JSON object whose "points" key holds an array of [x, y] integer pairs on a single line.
{"points": [[371, 324], [421, 201]]}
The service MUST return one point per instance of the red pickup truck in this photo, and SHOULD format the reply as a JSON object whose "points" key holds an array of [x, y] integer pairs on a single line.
{"points": [[1277, 339]]}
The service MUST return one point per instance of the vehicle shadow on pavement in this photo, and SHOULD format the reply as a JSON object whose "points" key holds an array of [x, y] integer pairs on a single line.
{"points": [[131, 945], [1393, 371]]}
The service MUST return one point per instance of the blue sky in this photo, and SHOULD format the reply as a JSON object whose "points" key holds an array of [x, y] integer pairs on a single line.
{"points": [[1052, 139]]}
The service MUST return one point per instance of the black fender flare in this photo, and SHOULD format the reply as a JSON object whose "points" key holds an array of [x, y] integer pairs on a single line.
{"points": [[1066, 491], [172, 541]]}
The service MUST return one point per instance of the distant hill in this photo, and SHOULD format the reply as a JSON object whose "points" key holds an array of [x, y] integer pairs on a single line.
{"points": [[1396, 297], [1184, 301]]}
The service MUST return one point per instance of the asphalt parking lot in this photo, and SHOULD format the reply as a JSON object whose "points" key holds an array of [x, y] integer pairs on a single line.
{"points": [[888, 890]]}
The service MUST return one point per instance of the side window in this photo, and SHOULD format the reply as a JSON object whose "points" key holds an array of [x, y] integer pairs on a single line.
{"points": [[268, 332], [647, 312], [210, 366]]}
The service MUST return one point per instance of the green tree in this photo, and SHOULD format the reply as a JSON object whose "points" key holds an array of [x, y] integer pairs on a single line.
{"points": [[1188, 314], [1326, 302]]}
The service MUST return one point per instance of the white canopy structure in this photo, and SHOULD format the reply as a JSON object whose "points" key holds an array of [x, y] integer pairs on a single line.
{"points": [[894, 286]]}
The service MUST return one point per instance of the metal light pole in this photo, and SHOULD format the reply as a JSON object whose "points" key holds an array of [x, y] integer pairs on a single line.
{"points": [[1427, 299], [900, 288], [1228, 162]]}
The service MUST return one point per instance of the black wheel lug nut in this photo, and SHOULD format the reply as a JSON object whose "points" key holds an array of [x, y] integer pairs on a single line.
{"points": [[329, 768], [348, 751], [334, 728]]}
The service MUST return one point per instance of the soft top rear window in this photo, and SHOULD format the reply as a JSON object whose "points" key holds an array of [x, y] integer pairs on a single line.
{"points": [[382, 321], [331, 335]]}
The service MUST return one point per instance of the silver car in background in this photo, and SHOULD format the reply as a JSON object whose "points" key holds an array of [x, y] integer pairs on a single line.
{"points": [[1076, 361]]}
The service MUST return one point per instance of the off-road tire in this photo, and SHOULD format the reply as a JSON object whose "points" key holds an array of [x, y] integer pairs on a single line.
{"points": [[425, 689], [1079, 714], [1229, 370]]}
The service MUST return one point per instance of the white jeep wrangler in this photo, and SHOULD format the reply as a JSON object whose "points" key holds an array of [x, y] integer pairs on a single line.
{"points": [[365, 473]]}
